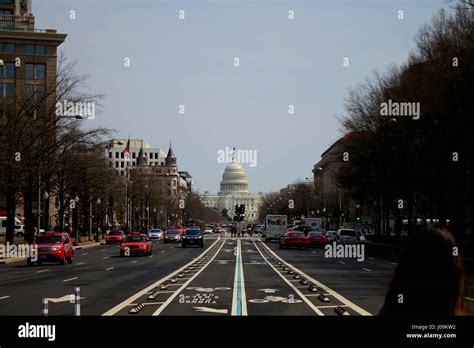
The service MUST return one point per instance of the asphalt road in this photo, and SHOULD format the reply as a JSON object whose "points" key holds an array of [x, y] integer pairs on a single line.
{"points": [[103, 276], [229, 276]]}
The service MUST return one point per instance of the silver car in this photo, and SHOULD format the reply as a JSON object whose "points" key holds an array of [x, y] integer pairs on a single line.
{"points": [[155, 233], [346, 235]]}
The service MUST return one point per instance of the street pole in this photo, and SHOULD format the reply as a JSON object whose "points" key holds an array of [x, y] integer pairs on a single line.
{"points": [[39, 202], [340, 207]]}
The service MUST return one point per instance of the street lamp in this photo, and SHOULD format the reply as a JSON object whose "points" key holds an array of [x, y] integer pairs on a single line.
{"points": [[74, 220], [46, 211], [97, 237]]}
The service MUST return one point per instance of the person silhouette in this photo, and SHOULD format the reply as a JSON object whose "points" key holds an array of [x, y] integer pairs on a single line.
{"points": [[429, 278]]}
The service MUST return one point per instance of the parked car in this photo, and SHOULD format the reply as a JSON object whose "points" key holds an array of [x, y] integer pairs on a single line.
{"points": [[19, 227], [192, 237], [155, 233], [296, 239], [114, 236], [346, 235], [317, 238], [136, 243], [52, 247], [172, 235], [208, 230]]}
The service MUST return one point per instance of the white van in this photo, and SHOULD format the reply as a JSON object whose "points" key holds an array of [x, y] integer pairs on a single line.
{"points": [[19, 227], [275, 227]]}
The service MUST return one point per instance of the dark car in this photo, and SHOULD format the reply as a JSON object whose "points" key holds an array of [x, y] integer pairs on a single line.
{"points": [[192, 237], [302, 228]]}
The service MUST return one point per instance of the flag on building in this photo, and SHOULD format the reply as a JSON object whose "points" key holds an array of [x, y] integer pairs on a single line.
{"points": [[126, 151]]}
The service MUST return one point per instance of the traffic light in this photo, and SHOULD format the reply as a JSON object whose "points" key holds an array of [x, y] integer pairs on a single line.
{"points": [[242, 209], [236, 210]]}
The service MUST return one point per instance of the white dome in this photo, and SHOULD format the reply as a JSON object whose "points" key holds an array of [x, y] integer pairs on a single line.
{"points": [[234, 179]]}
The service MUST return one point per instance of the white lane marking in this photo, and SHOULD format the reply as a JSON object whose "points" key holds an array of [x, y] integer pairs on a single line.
{"points": [[331, 292], [366, 269], [4, 297], [125, 303], [150, 256], [300, 294], [172, 297], [84, 254], [134, 261], [239, 298], [103, 249], [332, 306], [371, 258], [342, 262], [211, 310], [469, 299], [109, 269], [68, 280], [105, 257], [394, 263], [80, 263], [43, 270]]}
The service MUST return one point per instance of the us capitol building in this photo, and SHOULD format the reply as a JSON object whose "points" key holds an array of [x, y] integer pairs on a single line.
{"points": [[234, 191]]}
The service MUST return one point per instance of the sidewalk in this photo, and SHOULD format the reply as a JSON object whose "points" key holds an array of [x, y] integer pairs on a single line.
{"points": [[82, 245]]}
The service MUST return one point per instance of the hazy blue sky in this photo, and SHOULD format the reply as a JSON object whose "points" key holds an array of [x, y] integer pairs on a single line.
{"points": [[190, 62]]}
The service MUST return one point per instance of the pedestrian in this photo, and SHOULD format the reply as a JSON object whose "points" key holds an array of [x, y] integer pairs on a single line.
{"points": [[429, 278]]}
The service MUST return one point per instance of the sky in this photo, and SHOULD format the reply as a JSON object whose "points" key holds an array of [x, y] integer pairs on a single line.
{"points": [[191, 62]]}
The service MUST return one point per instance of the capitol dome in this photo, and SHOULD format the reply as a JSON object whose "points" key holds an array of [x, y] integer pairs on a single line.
{"points": [[234, 179]]}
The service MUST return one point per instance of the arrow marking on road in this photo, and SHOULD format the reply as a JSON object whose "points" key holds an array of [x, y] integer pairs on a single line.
{"points": [[211, 310], [65, 298], [268, 291]]}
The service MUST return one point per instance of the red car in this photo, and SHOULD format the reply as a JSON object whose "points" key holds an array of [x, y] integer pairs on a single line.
{"points": [[52, 247], [114, 236], [292, 238], [136, 243], [317, 237]]}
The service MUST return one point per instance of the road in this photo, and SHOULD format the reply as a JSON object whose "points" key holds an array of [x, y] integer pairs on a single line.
{"points": [[229, 276]]}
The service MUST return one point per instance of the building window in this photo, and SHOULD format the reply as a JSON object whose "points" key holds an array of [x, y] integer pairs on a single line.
{"points": [[116, 154], [35, 71], [8, 47], [116, 164], [8, 71], [110, 154], [7, 89], [37, 90], [156, 155], [35, 49], [122, 155], [40, 49], [133, 154], [122, 165]]}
